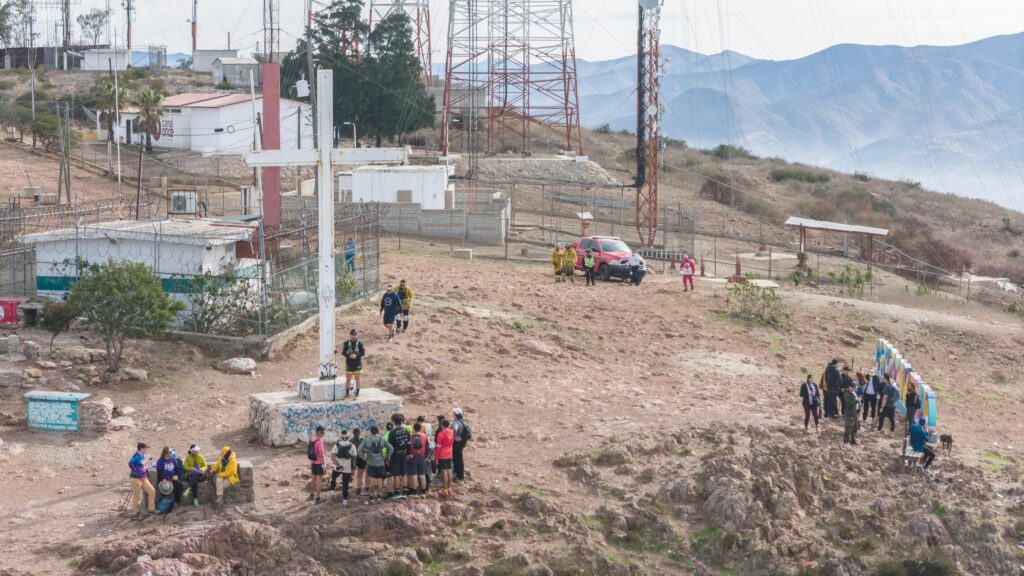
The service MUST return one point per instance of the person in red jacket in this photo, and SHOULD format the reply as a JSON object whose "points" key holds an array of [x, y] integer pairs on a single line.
{"points": [[687, 267], [443, 452]]}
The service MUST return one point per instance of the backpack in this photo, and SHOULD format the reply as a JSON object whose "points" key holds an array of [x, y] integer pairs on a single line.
{"points": [[310, 453], [344, 452], [375, 449], [417, 442], [164, 505], [465, 434]]}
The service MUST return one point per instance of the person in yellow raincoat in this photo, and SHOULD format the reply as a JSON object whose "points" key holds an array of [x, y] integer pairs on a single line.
{"points": [[569, 264], [556, 261], [226, 468]]}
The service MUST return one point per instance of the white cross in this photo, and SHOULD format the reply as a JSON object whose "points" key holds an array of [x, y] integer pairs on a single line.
{"points": [[325, 157]]}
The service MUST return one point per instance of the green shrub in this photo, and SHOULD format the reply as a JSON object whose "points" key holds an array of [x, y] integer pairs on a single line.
{"points": [[761, 305], [795, 277], [397, 568], [756, 208], [862, 176], [819, 191], [730, 152], [924, 567], [605, 128], [1015, 308], [225, 85], [798, 174], [7, 84], [1009, 228]]}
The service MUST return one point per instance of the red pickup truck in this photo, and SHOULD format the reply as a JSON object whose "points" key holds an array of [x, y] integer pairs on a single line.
{"points": [[608, 252]]}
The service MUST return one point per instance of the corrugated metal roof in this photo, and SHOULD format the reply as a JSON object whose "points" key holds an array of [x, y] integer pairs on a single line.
{"points": [[197, 232], [835, 226], [223, 100], [187, 99]]}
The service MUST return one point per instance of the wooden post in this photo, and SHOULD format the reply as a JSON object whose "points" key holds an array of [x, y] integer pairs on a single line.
{"points": [[769, 262]]}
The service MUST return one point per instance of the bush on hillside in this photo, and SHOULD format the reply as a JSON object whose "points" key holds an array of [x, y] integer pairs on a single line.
{"points": [[761, 305], [862, 176], [798, 174], [605, 128], [818, 210], [916, 239], [721, 190], [761, 210], [730, 152]]}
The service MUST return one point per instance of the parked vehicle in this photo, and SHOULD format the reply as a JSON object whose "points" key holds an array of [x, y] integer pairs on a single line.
{"points": [[608, 253]]}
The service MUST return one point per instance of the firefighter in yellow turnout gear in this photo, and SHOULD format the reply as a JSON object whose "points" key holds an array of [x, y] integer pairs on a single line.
{"points": [[569, 264], [556, 262]]}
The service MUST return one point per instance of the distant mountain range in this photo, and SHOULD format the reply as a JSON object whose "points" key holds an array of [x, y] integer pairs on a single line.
{"points": [[949, 117]]}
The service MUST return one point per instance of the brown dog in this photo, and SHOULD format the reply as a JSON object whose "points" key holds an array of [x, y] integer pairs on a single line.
{"points": [[947, 442]]}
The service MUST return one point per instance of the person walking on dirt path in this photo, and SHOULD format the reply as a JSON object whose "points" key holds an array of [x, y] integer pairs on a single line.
{"points": [[888, 404], [350, 256], [315, 451], [832, 379], [398, 455], [418, 470], [445, 451], [360, 464], [919, 442], [138, 480], [686, 268], [390, 309], [372, 450], [343, 456], [811, 398], [195, 472], [353, 351], [872, 386], [913, 404], [588, 268], [851, 412], [569, 264], [405, 293], [462, 435], [169, 467], [226, 468], [556, 262]]}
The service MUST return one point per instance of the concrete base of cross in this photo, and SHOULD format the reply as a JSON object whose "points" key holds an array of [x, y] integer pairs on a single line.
{"points": [[285, 418]]}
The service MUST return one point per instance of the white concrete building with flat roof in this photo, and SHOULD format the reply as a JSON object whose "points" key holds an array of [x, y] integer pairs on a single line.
{"points": [[104, 59], [202, 60], [235, 71], [216, 123], [429, 187]]}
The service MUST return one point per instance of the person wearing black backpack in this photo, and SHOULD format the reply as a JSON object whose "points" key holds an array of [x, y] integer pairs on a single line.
{"points": [[398, 456], [463, 434], [315, 453], [344, 455]]}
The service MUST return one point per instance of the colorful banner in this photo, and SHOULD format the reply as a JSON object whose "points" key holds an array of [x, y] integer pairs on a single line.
{"points": [[888, 360]]}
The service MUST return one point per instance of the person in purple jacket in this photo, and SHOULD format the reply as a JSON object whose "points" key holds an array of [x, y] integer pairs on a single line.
{"points": [[138, 479], [170, 468]]}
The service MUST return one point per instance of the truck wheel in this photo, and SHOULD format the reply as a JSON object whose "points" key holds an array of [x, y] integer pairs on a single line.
{"points": [[604, 273]]}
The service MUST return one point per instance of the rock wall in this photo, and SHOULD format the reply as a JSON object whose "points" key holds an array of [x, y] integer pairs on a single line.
{"points": [[283, 418]]}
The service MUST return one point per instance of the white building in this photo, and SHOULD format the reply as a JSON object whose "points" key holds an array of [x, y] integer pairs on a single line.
{"points": [[202, 60], [104, 59], [235, 71], [175, 249], [216, 124], [428, 186]]}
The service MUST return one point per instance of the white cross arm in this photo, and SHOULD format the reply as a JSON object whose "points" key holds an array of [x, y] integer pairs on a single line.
{"points": [[339, 156]]}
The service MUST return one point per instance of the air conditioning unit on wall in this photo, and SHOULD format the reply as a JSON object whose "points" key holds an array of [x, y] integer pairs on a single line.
{"points": [[182, 202]]}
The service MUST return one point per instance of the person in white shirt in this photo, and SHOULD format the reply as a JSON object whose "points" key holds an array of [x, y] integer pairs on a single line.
{"points": [[872, 389], [637, 268]]}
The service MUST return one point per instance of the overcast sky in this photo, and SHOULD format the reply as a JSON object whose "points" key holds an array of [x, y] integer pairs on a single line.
{"points": [[777, 29]]}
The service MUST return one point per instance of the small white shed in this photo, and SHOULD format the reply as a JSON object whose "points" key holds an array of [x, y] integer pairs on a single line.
{"points": [[235, 71], [428, 186], [104, 59]]}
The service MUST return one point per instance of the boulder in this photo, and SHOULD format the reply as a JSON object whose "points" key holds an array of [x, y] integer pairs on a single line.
{"points": [[33, 372], [46, 364], [122, 423], [536, 348], [120, 411], [30, 349], [244, 366], [135, 374]]}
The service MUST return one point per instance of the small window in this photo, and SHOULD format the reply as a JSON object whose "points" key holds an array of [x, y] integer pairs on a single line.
{"points": [[217, 130], [405, 196], [174, 111]]}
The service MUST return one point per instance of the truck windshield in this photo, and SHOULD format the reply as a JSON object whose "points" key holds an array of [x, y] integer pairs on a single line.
{"points": [[614, 246]]}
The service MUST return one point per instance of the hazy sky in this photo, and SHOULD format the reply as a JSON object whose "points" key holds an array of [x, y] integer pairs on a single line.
{"points": [[778, 29]]}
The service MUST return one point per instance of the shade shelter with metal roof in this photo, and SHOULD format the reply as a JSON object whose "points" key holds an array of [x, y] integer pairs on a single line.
{"points": [[805, 224]]}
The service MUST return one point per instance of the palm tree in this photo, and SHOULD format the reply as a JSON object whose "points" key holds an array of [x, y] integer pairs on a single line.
{"points": [[148, 102], [108, 99], [151, 110]]}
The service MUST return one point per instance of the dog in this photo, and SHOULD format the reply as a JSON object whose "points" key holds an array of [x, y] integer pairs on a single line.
{"points": [[947, 442]]}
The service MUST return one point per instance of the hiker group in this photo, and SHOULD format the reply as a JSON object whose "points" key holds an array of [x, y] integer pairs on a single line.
{"points": [[402, 461], [870, 396], [177, 479], [563, 260]]}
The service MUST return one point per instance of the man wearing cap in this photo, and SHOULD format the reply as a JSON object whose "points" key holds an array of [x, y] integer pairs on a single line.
{"points": [[872, 387], [353, 351], [919, 442], [138, 479], [390, 309], [195, 471], [460, 430]]}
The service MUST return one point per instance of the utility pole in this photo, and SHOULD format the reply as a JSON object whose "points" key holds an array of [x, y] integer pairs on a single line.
{"points": [[195, 10], [32, 65], [128, 11], [67, 31], [110, 37]]}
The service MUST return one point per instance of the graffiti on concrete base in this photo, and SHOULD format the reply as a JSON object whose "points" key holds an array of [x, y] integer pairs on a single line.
{"points": [[331, 417]]}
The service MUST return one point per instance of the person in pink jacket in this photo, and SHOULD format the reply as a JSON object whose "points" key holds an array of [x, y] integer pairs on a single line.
{"points": [[687, 267]]}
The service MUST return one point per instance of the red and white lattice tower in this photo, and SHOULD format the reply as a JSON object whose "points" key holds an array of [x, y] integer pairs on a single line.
{"points": [[648, 118], [510, 70], [419, 16]]}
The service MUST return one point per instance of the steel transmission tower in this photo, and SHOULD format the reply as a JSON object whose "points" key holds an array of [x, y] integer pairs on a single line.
{"points": [[510, 69], [419, 16], [271, 29], [648, 118]]}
